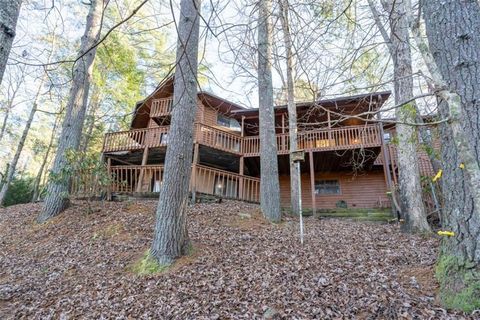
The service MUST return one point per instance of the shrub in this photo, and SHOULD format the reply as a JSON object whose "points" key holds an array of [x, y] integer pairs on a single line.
{"points": [[20, 190]]}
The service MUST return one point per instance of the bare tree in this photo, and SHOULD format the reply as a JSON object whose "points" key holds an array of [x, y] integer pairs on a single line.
{"points": [[9, 12], [38, 178], [411, 202], [292, 109], [269, 184], [13, 164], [171, 237], [58, 186], [453, 61], [12, 91]]}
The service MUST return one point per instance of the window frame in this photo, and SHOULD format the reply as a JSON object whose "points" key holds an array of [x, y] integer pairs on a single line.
{"points": [[318, 193]]}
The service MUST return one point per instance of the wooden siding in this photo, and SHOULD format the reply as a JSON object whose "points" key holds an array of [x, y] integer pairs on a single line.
{"points": [[367, 190]]}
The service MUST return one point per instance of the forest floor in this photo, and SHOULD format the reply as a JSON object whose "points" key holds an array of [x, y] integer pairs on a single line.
{"points": [[80, 266]]}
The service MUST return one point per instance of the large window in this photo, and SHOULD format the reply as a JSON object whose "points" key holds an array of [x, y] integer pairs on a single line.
{"points": [[325, 187], [223, 121], [228, 122]]}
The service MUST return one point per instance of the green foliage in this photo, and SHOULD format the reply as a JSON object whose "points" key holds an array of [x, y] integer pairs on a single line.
{"points": [[148, 265], [459, 283], [88, 174], [20, 190]]}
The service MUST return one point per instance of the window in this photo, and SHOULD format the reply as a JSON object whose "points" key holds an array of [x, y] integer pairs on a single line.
{"points": [[225, 187], [323, 187], [228, 122], [164, 138], [223, 121], [387, 137]]}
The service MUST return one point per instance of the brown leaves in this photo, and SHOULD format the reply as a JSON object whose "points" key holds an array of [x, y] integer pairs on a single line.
{"points": [[242, 267]]}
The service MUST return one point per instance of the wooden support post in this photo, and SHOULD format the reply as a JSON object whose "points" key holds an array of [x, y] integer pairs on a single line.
{"points": [[243, 126], [329, 129], [142, 170], [283, 140], [385, 158], [312, 182], [193, 180], [109, 173], [240, 182]]}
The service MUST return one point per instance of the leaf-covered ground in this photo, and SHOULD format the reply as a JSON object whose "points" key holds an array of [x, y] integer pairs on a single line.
{"points": [[80, 266]]}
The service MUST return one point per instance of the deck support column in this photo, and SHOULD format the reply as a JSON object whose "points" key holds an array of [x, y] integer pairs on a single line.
{"points": [[109, 173], [142, 170], [193, 180], [243, 127], [240, 181], [312, 181], [329, 122]]}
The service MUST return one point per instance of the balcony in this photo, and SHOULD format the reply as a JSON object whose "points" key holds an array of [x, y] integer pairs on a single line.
{"points": [[131, 179], [161, 107], [352, 137]]}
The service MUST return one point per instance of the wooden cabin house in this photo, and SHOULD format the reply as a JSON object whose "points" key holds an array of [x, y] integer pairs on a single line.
{"points": [[344, 162]]}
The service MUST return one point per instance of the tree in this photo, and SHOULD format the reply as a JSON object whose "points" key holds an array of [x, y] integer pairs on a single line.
{"points": [[26, 130], [453, 60], [291, 106], [269, 184], [411, 202], [9, 12], [21, 143], [171, 237], [58, 187]]}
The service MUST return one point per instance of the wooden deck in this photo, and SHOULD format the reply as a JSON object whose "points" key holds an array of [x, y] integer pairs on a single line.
{"points": [[149, 178], [352, 137]]}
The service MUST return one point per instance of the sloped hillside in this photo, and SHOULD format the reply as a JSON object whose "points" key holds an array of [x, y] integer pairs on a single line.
{"points": [[80, 266]]}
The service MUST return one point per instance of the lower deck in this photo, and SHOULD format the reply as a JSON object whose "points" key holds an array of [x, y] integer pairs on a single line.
{"points": [[347, 178]]}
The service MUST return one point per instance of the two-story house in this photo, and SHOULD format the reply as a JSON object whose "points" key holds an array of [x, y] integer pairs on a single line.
{"points": [[344, 161]]}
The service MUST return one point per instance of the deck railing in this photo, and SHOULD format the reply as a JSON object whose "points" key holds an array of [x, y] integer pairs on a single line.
{"points": [[217, 138], [149, 178], [135, 139], [161, 107], [351, 137]]}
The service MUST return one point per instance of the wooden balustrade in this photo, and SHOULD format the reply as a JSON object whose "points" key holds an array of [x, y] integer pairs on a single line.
{"points": [[135, 139], [161, 107], [148, 179], [130, 179], [227, 184], [351, 137], [217, 138], [320, 140]]}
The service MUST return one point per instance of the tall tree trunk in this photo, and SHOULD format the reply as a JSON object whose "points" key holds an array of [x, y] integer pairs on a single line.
{"points": [[423, 131], [452, 30], [269, 184], [38, 178], [292, 109], [9, 12], [21, 143], [171, 237], [90, 121], [413, 209], [58, 187], [8, 109]]}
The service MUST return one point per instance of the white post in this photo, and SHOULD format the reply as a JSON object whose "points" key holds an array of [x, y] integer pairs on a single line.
{"points": [[300, 201]]}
